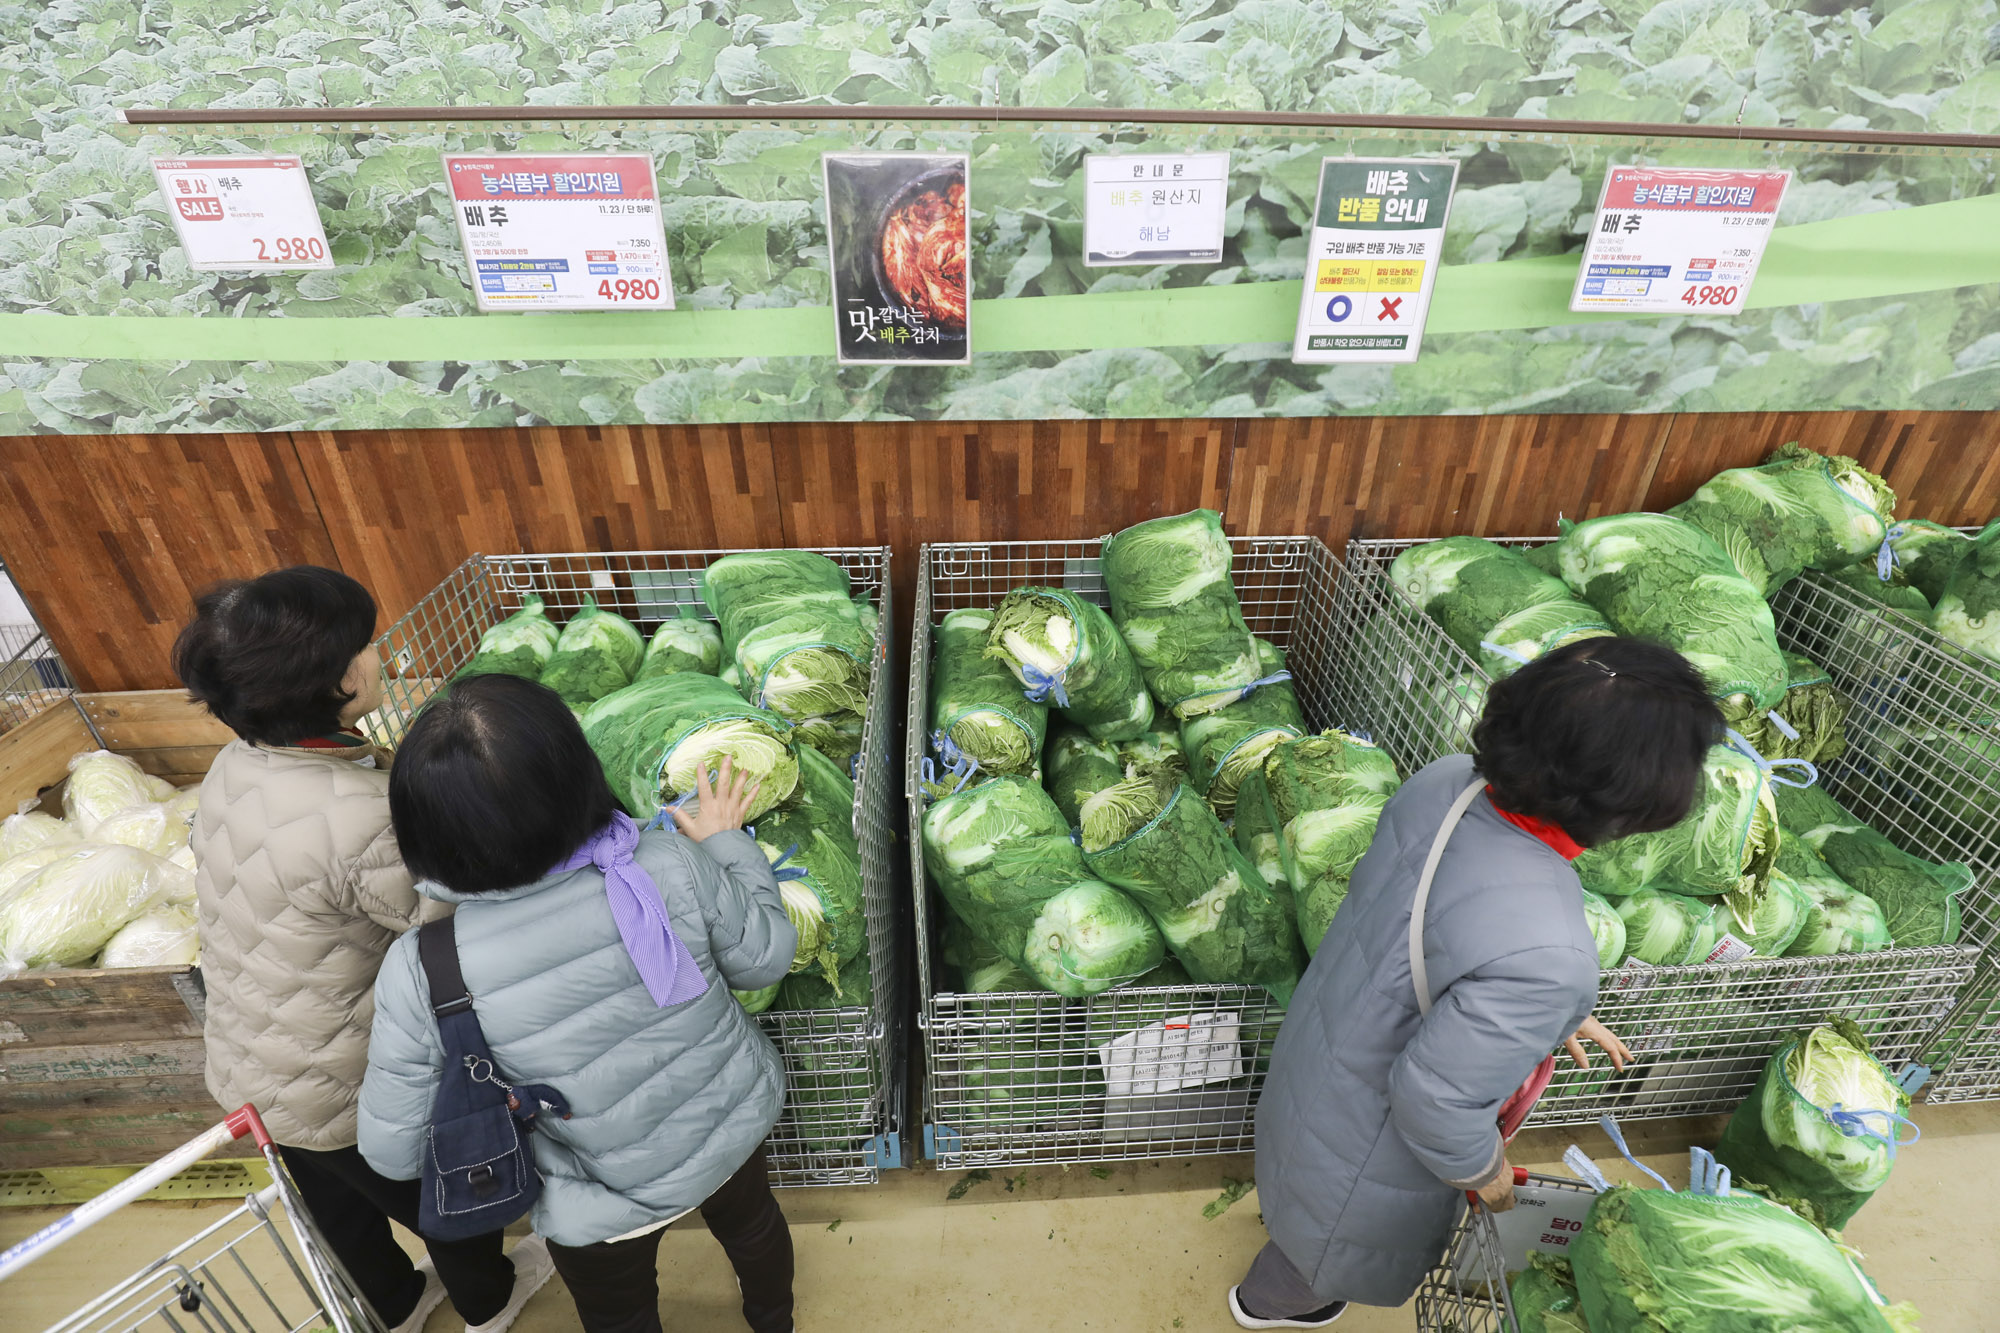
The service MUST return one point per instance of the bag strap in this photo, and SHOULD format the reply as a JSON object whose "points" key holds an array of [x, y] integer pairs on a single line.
{"points": [[1419, 976], [437, 948]]}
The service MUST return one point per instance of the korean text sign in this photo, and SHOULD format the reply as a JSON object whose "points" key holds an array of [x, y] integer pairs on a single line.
{"points": [[1676, 240], [1154, 208], [1372, 259], [246, 214], [577, 231]]}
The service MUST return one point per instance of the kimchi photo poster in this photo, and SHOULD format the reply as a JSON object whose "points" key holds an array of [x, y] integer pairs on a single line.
{"points": [[902, 270]]}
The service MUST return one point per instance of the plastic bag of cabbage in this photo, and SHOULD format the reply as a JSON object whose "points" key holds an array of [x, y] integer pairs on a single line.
{"points": [[653, 737], [521, 645], [1918, 898], [1001, 855], [1726, 844], [162, 937], [101, 784], [1171, 596], [1659, 1261], [595, 656], [1798, 511], [1654, 576], [1227, 744], [794, 632], [1968, 606], [1156, 839], [1064, 649], [1822, 1125], [1493, 603], [684, 642], [1322, 794], [976, 704], [64, 912], [812, 835]]}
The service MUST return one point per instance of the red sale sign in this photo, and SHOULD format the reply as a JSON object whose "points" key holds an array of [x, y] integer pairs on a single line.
{"points": [[255, 214], [1677, 239]]}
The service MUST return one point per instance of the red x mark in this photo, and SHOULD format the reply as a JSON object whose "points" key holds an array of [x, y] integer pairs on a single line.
{"points": [[1390, 306]]}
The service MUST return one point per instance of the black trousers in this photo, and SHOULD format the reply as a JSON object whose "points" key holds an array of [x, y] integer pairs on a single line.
{"points": [[616, 1284], [354, 1204]]}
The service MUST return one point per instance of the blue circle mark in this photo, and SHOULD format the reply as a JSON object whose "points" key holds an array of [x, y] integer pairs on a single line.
{"points": [[1339, 308]]}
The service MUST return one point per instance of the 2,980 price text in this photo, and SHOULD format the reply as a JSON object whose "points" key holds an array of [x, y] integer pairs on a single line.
{"points": [[289, 249]]}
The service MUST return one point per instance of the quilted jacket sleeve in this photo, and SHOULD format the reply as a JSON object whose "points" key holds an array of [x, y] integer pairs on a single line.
{"points": [[405, 1062], [380, 885], [751, 938], [1483, 1036]]}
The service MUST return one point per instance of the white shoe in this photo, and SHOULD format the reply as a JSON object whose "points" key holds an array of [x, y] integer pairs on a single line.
{"points": [[532, 1269], [1319, 1318], [433, 1297]]}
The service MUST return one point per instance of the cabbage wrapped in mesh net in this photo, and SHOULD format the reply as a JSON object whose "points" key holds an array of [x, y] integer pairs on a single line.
{"points": [[1255, 832], [1660, 1261], [1788, 1135], [64, 913], [521, 645], [1952, 773], [1800, 510], [1607, 928], [1228, 743], [1773, 922], [1656, 577], [1967, 610], [595, 656], [1895, 592], [162, 937], [100, 785], [982, 969], [813, 833], [1157, 749], [684, 642], [653, 737], [1076, 766], [1926, 553], [1668, 929], [1809, 723], [791, 627], [1494, 604], [977, 704], [1324, 794], [1544, 1297], [1918, 898], [1156, 839], [1837, 919], [1064, 649], [31, 829], [1171, 596], [811, 990], [1726, 845], [1001, 856]]}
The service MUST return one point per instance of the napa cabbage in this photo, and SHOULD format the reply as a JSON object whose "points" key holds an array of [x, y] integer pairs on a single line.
{"points": [[682, 643], [1065, 650], [66, 911], [1544, 1297], [1322, 795], [162, 937], [1726, 844], [977, 704], [1968, 606], [1493, 602], [1171, 596], [1798, 511], [1926, 554], [1837, 919], [653, 737], [1667, 929], [791, 627], [812, 833], [150, 827], [31, 829], [595, 655], [1226, 744], [1607, 928], [100, 785], [521, 645], [1918, 898]]}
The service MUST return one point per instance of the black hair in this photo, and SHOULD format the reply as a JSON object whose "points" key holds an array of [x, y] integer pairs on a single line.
{"points": [[495, 785], [1603, 738], [266, 655]]}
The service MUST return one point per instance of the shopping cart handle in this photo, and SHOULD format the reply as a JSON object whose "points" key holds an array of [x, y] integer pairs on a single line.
{"points": [[1520, 1179], [245, 1120]]}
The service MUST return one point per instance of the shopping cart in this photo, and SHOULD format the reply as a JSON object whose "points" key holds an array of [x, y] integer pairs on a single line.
{"points": [[239, 1275], [1467, 1291]]}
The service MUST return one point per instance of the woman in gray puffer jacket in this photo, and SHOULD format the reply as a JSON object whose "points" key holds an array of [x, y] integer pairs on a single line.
{"points": [[600, 960]]}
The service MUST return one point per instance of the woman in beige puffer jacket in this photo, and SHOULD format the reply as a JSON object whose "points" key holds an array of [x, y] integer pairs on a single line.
{"points": [[301, 890]]}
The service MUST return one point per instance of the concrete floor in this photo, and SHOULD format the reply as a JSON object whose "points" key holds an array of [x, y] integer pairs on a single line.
{"points": [[1118, 1248]]}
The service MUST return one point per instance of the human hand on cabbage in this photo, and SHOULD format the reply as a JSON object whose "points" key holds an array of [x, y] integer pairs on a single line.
{"points": [[719, 807]]}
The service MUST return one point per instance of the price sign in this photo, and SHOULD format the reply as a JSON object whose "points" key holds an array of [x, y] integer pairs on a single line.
{"points": [[1154, 208], [253, 214], [1175, 1053], [570, 231], [1677, 240], [1372, 259]]}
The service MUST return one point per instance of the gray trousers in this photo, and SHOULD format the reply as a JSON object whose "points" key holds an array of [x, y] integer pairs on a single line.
{"points": [[1274, 1289]]}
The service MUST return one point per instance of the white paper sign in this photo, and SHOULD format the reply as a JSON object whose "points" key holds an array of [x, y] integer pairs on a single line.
{"points": [[1154, 208], [1729, 949], [1545, 1218], [246, 214], [1377, 240], [561, 231], [1677, 240], [1183, 1052]]}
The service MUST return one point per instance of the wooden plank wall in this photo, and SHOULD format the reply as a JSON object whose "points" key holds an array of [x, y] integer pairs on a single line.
{"points": [[108, 536]]}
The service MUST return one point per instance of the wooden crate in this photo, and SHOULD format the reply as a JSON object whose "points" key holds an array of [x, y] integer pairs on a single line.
{"points": [[102, 1067]]}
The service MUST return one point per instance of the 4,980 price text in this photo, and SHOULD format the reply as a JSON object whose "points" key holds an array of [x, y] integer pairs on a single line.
{"points": [[1709, 296], [629, 289]]}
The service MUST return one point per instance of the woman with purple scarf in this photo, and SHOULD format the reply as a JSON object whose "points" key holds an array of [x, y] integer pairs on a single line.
{"points": [[600, 958]]}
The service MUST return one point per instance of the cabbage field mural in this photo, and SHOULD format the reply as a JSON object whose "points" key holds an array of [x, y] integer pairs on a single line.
{"points": [[104, 326]]}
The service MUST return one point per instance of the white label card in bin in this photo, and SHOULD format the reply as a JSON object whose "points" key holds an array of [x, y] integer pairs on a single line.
{"points": [[1184, 1052], [1545, 1218]]}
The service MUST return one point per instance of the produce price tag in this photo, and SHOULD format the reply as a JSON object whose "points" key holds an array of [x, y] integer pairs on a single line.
{"points": [[1729, 949], [1545, 1218], [1183, 1052], [1154, 208], [1377, 240], [246, 214], [1677, 240], [570, 231]]}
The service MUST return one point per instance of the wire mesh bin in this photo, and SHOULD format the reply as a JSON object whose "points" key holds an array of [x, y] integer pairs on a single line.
{"points": [[1967, 1045], [32, 675], [843, 1066], [1015, 1078], [1467, 1291], [1700, 1033]]}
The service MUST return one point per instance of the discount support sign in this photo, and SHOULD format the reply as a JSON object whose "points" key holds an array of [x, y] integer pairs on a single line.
{"points": [[1677, 240]]}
